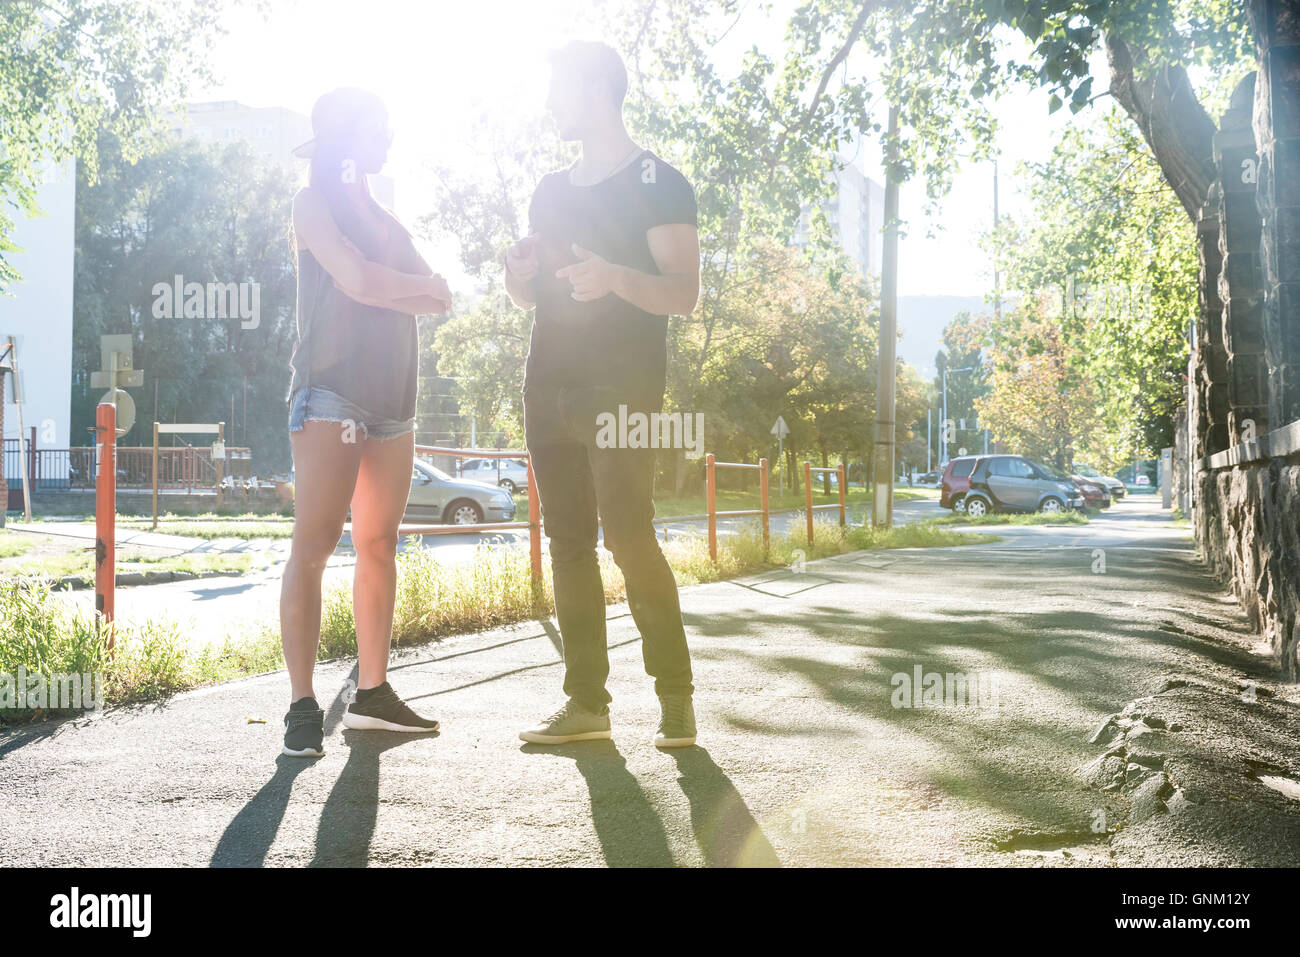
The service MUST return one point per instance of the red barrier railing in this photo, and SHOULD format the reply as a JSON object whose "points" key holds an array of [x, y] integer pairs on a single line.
{"points": [[534, 523], [711, 489], [808, 471]]}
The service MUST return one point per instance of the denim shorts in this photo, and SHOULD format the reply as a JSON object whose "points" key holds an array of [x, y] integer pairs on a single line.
{"points": [[320, 405]]}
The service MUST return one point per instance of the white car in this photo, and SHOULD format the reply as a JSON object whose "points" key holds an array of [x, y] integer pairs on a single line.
{"points": [[510, 474]]}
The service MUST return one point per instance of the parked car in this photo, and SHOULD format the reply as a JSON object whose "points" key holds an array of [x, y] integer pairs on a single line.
{"points": [[511, 474], [1117, 489], [929, 478], [956, 480], [437, 497], [1012, 483], [1095, 495]]}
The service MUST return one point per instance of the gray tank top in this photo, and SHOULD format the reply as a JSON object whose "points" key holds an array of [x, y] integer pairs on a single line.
{"points": [[366, 354]]}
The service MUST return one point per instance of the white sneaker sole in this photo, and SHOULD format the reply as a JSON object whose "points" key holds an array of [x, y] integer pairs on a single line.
{"points": [[536, 737], [661, 742], [304, 753], [361, 722]]}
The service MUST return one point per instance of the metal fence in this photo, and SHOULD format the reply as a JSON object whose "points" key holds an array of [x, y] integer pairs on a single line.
{"points": [[74, 468]]}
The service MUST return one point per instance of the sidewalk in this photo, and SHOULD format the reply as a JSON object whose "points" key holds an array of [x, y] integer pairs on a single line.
{"points": [[803, 760]]}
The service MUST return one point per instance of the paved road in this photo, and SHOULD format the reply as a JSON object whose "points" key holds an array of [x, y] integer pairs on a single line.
{"points": [[1120, 734]]}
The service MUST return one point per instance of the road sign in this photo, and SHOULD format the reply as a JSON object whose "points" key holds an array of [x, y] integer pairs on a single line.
{"points": [[125, 409], [780, 430]]}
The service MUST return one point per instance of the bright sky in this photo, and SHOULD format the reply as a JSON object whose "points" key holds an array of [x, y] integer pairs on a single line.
{"points": [[440, 65]]}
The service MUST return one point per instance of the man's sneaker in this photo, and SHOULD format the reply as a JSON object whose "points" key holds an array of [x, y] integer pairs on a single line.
{"points": [[573, 722], [676, 723], [380, 709], [304, 730]]}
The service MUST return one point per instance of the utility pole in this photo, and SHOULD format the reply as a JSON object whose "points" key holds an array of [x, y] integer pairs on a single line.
{"points": [[882, 499], [997, 274]]}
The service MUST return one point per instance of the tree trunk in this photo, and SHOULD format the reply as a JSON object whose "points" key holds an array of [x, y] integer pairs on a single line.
{"points": [[1172, 120]]}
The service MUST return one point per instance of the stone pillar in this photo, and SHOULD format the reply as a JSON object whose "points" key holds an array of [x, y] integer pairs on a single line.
{"points": [[1211, 369], [1241, 285], [1276, 26]]}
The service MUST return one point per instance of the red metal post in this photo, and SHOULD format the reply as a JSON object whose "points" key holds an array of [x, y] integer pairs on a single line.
{"points": [[839, 471], [711, 504], [762, 495], [807, 491], [534, 532], [105, 509]]}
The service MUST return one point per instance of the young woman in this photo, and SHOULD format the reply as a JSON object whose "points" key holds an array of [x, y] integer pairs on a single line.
{"points": [[361, 284]]}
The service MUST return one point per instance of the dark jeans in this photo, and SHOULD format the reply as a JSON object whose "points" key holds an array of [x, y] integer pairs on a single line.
{"points": [[576, 480]]}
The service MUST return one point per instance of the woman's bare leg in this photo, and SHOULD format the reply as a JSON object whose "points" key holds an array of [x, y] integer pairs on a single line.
{"points": [[325, 473], [382, 486]]}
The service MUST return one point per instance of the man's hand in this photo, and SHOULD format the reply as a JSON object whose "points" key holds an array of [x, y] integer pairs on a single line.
{"points": [[521, 259], [591, 277]]}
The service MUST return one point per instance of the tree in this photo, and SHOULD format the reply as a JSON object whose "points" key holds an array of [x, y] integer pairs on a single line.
{"points": [[1110, 240], [208, 214], [73, 70], [1038, 403]]}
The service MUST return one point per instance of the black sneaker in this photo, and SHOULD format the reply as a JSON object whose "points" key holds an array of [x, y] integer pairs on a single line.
{"points": [[304, 730], [380, 709]]}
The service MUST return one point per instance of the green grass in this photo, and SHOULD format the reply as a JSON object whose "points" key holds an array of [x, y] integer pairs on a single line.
{"points": [[82, 563], [211, 527], [152, 661], [668, 506], [1013, 518], [13, 544]]}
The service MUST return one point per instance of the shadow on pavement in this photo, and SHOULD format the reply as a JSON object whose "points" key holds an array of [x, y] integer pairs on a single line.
{"points": [[627, 825], [249, 835], [724, 828], [347, 819]]}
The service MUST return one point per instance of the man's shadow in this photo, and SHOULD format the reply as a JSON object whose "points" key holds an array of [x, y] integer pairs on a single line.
{"points": [[724, 828], [627, 825]]}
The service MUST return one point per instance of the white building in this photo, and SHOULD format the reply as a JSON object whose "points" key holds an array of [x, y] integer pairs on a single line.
{"points": [[272, 131], [37, 310], [856, 210]]}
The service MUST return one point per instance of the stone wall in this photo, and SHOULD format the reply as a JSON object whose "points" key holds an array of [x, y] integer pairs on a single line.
{"points": [[1248, 527], [1246, 370]]}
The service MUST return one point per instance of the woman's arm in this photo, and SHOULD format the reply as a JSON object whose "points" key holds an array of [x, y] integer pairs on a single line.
{"points": [[316, 230]]}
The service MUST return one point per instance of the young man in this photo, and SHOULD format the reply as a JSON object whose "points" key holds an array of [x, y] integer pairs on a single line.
{"points": [[612, 252]]}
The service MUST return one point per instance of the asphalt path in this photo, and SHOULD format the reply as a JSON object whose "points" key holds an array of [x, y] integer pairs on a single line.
{"points": [[1126, 715]]}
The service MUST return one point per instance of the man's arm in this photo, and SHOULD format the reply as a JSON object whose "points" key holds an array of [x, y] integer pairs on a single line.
{"points": [[675, 248], [521, 271]]}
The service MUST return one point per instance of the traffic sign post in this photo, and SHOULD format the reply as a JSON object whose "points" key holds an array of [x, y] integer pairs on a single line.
{"points": [[105, 512], [780, 430], [114, 416]]}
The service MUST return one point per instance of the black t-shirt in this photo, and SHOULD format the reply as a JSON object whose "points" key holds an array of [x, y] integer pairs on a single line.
{"points": [[608, 341]]}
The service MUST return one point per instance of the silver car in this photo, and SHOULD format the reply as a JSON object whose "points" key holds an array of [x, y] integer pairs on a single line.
{"points": [[510, 474], [437, 497], [1011, 483]]}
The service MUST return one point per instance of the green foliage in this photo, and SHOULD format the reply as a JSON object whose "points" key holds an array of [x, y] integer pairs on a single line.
{"points": [[1112, 257], [72, 71], [209, 214]]}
